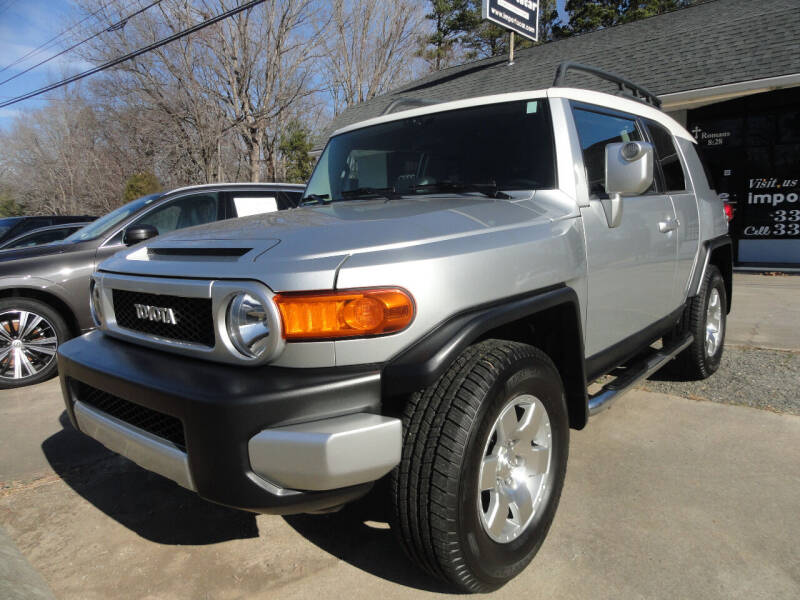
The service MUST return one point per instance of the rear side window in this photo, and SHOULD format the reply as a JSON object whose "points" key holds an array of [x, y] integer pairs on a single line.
{"points": [[187, 211], [43, 237], [596, 130], [255, 205], [291, 199], [667, 157]]}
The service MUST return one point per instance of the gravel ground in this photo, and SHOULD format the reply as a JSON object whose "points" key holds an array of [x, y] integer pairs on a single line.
{"points": [[766, 379]]}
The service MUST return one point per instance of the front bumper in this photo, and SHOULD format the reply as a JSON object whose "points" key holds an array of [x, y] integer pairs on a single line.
{"points": [[265, 439]]}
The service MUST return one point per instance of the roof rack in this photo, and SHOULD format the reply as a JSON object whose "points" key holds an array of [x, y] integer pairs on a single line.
{"points": [[405, 103], [637, 91]]}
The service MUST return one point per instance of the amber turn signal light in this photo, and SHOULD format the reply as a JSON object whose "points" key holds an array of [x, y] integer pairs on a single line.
{"points": [[344, 314]]}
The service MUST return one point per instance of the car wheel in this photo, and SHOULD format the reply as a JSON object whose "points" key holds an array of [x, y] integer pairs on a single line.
{"points": [[30, 332], [706, 318], [483, 464]]}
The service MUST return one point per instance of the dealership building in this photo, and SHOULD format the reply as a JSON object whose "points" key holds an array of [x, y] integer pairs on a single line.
{"points": [[728, 70]]}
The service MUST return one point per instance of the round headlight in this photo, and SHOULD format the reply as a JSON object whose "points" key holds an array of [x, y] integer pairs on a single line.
{"points": [[95, 303], [247, 325]]}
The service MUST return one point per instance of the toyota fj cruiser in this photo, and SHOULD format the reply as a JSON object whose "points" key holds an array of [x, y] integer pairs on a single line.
{"points": [[435, 312]]}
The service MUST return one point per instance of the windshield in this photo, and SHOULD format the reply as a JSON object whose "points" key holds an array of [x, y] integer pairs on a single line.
{"points": [[97, 228], [506, 146], [7, 224]]}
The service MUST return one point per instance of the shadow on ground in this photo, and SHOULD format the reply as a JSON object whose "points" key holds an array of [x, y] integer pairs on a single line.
{"points": [[359, 535], [154, 507]]}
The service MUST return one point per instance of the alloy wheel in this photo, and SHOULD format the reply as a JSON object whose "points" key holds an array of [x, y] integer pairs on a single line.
{"points": [[28, 344], [514, 470], [714, 322]]}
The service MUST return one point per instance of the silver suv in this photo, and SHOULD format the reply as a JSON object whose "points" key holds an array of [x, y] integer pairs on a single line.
{"points": [[435, 314]]}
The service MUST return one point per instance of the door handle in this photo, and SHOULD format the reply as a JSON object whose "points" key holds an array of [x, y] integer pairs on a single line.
{"points": [[668, 225]]}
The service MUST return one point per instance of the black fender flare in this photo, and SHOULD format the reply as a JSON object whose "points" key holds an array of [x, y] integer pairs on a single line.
{"points": [[424, 362]]}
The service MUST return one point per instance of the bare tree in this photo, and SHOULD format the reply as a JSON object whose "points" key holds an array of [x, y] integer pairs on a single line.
{"points": [[370, 47], [65, 159], [232, 81]]}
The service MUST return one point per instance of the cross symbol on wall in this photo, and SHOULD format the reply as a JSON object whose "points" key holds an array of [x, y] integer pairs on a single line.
{"points": [[696, 131]]}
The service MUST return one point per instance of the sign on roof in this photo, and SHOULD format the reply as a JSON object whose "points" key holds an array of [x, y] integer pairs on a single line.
{"points": [[520, 16]]}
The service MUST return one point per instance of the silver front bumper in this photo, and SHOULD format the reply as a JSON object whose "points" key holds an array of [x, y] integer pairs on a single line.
{"points": [[319, 455], [146, 450], [327, 454]]}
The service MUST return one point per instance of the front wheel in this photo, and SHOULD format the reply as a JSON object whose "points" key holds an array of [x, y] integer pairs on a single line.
{"points": [[30, 332], [483, 464]]}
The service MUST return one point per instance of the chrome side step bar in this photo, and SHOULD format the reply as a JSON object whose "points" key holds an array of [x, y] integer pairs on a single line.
{"points": [[636, 373]]}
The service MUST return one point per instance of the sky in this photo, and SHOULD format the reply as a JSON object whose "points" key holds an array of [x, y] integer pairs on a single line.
{"points": [[26, 24]]}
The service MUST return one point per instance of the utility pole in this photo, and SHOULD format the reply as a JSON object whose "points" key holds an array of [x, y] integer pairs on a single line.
{"points": [[219, 160]]}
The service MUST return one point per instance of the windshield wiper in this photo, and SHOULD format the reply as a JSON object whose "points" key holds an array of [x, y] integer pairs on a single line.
{"points": [[315, 199], [456, 186], [388, 193]]}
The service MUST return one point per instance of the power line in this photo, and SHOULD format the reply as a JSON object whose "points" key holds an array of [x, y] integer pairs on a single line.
{"points": [[113, 27], [46, 44], [134, 54]]}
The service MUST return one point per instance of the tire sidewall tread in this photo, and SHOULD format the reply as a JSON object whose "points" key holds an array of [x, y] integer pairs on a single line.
{"points": [[435, 486]]}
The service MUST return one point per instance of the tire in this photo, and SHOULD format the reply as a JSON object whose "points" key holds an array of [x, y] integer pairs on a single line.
{"points": [[28, 356], [701, 359], [440, 516]]}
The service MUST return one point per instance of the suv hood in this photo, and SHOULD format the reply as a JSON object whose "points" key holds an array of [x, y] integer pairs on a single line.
{"points": [[302, 248]]}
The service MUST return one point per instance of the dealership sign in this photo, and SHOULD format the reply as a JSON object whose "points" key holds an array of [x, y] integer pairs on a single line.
{"points": [[520, 16]]}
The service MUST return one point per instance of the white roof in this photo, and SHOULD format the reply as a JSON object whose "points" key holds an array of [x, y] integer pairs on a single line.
{"points": [[580, 95]]}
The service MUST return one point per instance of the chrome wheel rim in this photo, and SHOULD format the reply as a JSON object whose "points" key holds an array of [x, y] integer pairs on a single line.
{"points": [[513, 475], [28, 344], [714, 323]]}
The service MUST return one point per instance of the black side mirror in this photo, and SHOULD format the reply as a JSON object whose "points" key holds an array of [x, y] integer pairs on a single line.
{"points": [[138, 233]]}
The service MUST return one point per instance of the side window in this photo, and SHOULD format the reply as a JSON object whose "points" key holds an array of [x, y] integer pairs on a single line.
{"points": [[44, 237], [667, 157], [289, 199], [596, 130], [35, 223], [255, 205], [183, 212]]}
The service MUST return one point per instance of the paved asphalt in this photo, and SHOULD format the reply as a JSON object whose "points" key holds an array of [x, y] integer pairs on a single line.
{"points": [[666, 497]]}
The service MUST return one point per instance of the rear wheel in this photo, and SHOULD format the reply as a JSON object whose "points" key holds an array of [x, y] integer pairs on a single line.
{"points": [[483, 464], [30, 332], [705, 317]]}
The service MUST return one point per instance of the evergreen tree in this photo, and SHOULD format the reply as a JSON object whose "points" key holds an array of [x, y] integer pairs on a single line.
{"points": [[450, 19], [459, 25], [295, 147], [140, 184], [590, 15], [9, 206]]}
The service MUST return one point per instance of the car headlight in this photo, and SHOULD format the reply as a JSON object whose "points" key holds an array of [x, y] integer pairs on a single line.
{"points": [[95, 303], [247, 325]]}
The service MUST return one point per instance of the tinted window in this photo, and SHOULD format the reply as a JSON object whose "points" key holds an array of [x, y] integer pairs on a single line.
{"points": [[102, 225], [509, 145], [41, 237], [597, 130], [667, 156], [7, 224], [34, 223], [290, 199], [183, 212]]}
